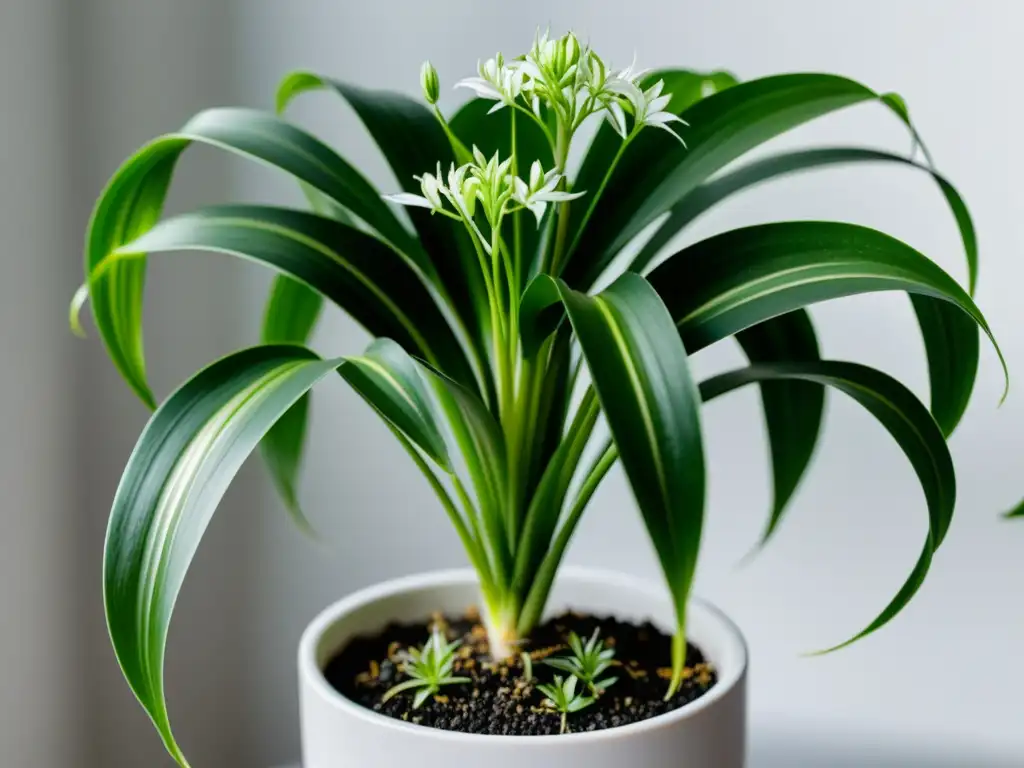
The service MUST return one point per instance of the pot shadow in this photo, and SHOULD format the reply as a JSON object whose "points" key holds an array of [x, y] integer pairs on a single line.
{"points": [[803, 750]]}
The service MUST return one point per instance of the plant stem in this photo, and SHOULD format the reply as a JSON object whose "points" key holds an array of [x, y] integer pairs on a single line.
{"points": [[561, 157], [545, 575], [473, 547], [678, 659], [600, 191]]}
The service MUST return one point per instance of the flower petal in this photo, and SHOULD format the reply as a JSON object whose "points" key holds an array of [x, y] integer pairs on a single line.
{"points": [[405, 198], [481, 87], [559, 197]]}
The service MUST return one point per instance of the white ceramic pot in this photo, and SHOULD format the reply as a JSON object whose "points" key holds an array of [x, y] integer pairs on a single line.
{"points": [[338, 733]]}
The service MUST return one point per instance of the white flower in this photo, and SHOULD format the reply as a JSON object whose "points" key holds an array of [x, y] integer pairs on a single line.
{"points": [[463, 189], [432, 188], [540, 190], [631, 74], [649, 109], [497, 82]]}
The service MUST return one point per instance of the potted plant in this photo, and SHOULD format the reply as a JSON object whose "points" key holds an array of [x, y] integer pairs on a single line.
{"points": [[511, 320]]}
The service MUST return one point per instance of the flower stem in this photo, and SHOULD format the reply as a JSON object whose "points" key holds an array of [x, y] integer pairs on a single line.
{"points": [[561, 157], [600, 191]]}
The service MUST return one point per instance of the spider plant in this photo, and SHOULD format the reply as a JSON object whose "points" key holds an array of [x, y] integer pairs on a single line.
{"points": [[511, 317], [563, 697], [587, 661], [428, 668]]}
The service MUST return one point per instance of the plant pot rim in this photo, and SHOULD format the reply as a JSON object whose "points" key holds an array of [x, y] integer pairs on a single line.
{"points": [[310, 669]]}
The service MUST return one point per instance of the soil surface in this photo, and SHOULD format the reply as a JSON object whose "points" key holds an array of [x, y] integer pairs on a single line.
{"points": [[499, 700]]}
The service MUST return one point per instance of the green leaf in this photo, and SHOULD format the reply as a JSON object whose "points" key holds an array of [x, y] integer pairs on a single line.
{"points": [[947, 336], [726, 283], [183, 463], [641, 373], [793, 408], [1017, 511], [390, 381], [482, 446], [906, 419], [362, 275], [291, 314], [540, 313], [413, 142], [656, 172], [185, 459], [132, 203], [776, 166]]}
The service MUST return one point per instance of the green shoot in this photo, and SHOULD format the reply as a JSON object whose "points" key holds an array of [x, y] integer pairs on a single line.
{"points": [[562, 697], [428, 669], [588, 662]]}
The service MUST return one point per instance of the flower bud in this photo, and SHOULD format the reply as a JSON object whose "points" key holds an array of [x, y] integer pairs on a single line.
{"points": [[430, 83], [570, 52]]}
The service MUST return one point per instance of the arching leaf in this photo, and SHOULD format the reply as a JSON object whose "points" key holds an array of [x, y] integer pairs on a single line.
{"points": [[656, 171], [905, 418]]}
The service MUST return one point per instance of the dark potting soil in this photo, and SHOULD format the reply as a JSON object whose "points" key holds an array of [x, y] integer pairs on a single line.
{"points": [[499, 700]]}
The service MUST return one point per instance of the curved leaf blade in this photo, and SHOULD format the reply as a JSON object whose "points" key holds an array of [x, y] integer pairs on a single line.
{"points": [[642, 377], [909, 423], [291, 314], [390, 381], [714, 192], [656, 171], [133, 200], [183, 463], [362, 275], [732, 281], [793, 408], [947, 337], [191, 449]]}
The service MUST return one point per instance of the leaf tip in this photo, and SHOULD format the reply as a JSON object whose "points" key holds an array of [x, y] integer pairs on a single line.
{"points": [[75, 310], [1016, 512]]}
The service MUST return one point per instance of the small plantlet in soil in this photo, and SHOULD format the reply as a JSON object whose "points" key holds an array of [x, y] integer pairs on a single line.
{"points": [[509, 698]]}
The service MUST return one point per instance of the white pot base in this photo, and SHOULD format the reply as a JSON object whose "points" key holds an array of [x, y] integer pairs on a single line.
{"points": [[337, 733]]}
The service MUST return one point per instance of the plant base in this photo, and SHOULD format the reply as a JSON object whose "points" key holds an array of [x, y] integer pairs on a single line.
{"points": [[708, 732], [500, 700]]}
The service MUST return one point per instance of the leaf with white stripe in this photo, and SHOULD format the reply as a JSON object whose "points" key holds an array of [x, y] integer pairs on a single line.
{"points": [[642, 377], [181, 467]]}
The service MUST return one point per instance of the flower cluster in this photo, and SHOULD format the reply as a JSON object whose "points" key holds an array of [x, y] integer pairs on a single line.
{"points": [[486, 182], [573, 80]]}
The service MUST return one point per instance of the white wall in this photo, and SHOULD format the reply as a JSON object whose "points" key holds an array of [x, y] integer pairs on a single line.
{"points": [[40, 670], [140, 68], [950, 668]]}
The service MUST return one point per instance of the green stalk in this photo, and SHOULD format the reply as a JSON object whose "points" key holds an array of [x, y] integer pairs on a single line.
{"points": [[600, 191], [561, 157], [533, 607], [678, 659], [474, 521], [473, 548], [551, 491], [462, 154]]}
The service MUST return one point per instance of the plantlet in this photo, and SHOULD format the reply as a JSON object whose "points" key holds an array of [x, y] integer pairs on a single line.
{"points": [[429, 668], [562, 697], [513, 315], [588, 662]]}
